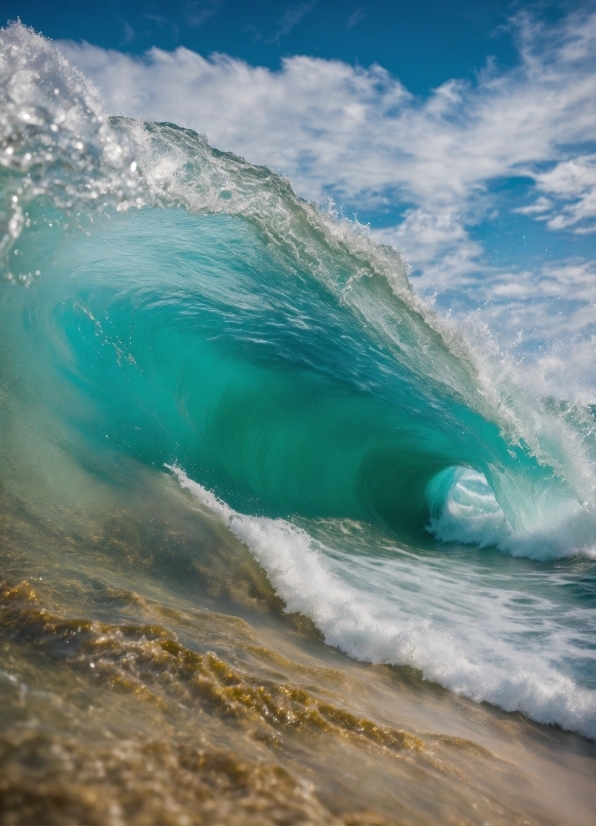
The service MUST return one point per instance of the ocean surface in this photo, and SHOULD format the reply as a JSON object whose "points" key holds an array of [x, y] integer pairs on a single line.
{"points": [[279, 544]]}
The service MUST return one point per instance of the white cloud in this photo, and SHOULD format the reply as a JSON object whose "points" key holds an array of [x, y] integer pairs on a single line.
{"points": [[290, 19], [198, 11], [356, 17], [573, 184], [437, 241], [573, 181], [537, 208]]}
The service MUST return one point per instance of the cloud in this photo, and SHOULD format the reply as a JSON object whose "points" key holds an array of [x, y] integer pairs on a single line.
{"points": [[129, 33], [358, 135], [434, 237], [197, 11], [290, 19], [356, 17], [538, 208], [573, 181]]}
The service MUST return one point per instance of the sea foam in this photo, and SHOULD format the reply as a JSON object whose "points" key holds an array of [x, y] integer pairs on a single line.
{"points": [[355, 622]]}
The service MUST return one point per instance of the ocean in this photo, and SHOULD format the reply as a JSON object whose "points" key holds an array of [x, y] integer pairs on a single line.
{"points": [[279, 543]]}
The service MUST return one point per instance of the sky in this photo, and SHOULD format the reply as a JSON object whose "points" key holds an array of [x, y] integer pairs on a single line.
{"points": [[463, 133]]}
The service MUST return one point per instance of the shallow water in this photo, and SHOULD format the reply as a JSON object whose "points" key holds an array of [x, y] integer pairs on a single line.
{"points": [[150, 675], [278, 545]]}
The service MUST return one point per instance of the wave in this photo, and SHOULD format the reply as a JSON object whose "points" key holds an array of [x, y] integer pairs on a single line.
{"points": [[172, 303], [357, 624]]}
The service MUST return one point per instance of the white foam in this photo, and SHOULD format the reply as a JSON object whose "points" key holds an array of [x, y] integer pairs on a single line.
{"points": [[522, 400], [366, 627], [55, 137], [471, 515]]}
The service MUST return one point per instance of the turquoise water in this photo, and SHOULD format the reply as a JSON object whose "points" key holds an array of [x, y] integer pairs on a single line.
{"points": [[168, 307], [205, 347]]}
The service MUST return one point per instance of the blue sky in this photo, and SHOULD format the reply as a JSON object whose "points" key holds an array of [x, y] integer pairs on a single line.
{"points": [[464, 132], [423, 42]]}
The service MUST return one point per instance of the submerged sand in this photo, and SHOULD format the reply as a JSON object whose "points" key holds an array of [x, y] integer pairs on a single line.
{"points": [[150, 676]]}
